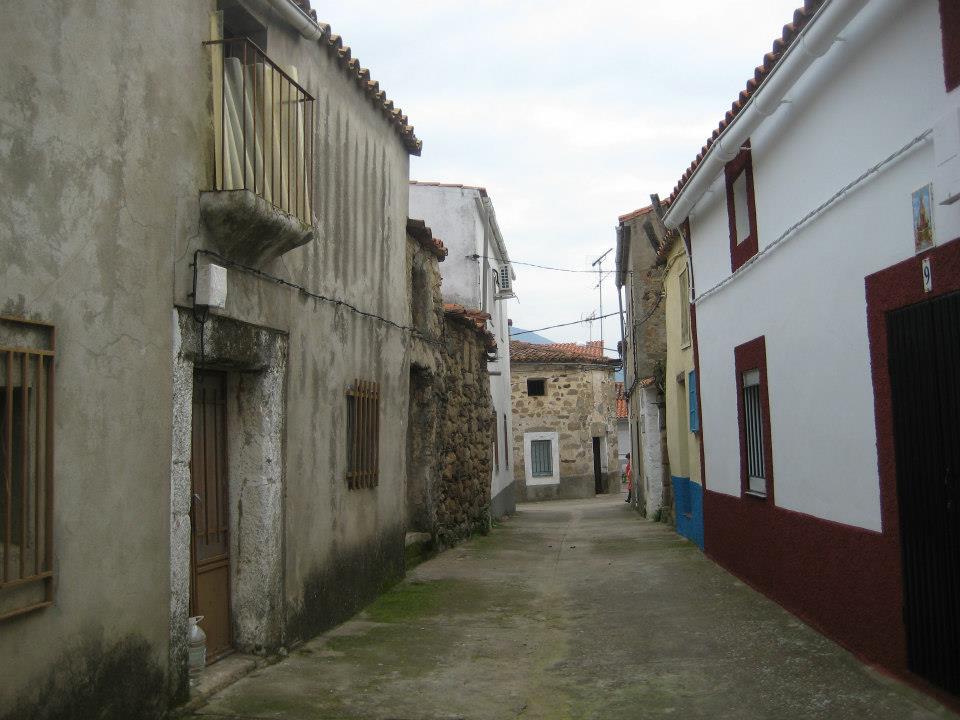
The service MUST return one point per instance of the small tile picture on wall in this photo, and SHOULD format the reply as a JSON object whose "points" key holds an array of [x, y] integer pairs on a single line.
{"points": [[923, 218]]}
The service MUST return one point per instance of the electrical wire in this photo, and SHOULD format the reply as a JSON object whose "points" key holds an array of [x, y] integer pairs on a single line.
{"points": [[786, 234], [575, 322], [309, 293], [543, 267]]}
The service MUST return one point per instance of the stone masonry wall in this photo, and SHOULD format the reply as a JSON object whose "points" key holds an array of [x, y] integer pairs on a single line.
{"points": [[579, 404], [462, 495]]}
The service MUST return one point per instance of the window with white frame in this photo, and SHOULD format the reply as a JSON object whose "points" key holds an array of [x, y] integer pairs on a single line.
{"points": [[541, 458]]}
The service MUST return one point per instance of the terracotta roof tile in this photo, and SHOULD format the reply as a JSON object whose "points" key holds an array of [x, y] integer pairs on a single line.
{"points": [[474, 319], [418, 230], [622, 413], [801, 16], [361, 75], [591, 353]]}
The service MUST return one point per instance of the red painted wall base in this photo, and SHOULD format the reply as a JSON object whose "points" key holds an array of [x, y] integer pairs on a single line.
{"points": [[843, 581]]}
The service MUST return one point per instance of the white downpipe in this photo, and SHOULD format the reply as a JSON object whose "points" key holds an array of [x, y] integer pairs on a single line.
{"points": [[292, 15], [815, 40]]}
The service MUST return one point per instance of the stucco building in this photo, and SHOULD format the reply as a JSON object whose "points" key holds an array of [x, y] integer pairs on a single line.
{"points": [[640, 274], [823, 223], [565, 420], [207, 331], [477, 275]]}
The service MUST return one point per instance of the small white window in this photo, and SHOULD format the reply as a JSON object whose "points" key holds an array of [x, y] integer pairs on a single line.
{"points": [[684, 308], [741, 209]]}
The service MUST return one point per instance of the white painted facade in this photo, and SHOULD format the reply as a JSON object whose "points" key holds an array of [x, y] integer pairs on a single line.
{"points": [[865, 99], [464, 219]]}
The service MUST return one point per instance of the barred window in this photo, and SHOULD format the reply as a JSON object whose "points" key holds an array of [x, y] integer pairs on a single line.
{"points": [[26, 466], [753, 429], [363, 434]]}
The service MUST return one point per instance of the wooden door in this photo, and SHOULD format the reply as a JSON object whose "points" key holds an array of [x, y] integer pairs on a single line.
{"points": [[210, 520], [597, 472], [924, 359]]}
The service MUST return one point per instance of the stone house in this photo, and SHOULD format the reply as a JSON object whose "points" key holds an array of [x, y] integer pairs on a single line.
{"points": [[207, 334], [565, 420], [477, 275], [639, 272]]}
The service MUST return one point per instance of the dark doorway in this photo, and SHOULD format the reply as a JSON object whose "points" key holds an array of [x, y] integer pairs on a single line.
{"points": [[924, 360], [209, 516], [597, 472]]}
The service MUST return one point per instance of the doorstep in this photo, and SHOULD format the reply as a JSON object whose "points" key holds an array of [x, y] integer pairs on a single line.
{"points": [[216, 676]]}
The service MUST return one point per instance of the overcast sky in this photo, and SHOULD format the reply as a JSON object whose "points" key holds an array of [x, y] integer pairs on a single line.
{"points": [[569, 113]]}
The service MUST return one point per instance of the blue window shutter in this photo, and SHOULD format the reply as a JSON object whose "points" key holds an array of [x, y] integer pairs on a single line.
{"points": [[694, 410]]}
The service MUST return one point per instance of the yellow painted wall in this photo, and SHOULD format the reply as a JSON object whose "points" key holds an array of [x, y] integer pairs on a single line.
{"points": [[683, 445]]}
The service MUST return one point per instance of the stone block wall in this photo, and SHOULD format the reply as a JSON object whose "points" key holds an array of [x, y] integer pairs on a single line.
{"points": [[579, 404]]}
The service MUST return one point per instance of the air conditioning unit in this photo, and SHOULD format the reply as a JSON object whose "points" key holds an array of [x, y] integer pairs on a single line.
{"points": [[506, 288]]}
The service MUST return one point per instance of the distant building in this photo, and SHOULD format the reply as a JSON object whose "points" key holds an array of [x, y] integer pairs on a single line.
{"points": [[640, 273], [477, 276], [623, 427], [565, 420]]}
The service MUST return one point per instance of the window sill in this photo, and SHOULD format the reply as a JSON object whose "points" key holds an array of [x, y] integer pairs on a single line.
{"points": [[755, 495], [685, 345]]}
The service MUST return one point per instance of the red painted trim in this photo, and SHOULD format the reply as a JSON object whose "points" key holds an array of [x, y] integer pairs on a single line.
{"points": [[950, 34], [753, 356], [740, 252]]}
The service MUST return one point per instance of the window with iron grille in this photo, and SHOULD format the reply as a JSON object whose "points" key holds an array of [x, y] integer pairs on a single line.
{"points": [[26, 466], [753, 433], [496, 443], [536, 388], [363, 434], [541, 458]]}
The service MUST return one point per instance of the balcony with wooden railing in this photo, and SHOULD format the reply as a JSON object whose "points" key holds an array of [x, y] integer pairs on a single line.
{"points": [[262, 201]]}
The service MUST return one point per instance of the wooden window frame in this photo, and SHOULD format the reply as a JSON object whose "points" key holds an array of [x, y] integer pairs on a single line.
{"points": [[38, 364], [363, 434], [740, 252], [752, 355], [533, 472], [950, 37]]}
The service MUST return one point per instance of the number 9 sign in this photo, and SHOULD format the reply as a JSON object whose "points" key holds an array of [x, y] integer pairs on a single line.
{"points": [[927, 275]]}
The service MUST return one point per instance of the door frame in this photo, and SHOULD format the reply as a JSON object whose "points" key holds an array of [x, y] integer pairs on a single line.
{"points": [[893, 288], [597, 465]]}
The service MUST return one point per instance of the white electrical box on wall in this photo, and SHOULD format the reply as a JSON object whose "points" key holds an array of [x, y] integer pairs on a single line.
{"points": [[211, 286]]}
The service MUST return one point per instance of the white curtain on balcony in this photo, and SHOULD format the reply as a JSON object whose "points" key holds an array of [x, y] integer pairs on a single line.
{"points": [[263, 138]]}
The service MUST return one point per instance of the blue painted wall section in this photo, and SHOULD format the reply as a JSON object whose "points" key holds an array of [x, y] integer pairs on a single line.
{"points": [[688, 510]]}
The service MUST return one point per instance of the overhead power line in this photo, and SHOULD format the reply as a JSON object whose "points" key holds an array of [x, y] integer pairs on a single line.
{"points": [[575, 322], [543, 267]]}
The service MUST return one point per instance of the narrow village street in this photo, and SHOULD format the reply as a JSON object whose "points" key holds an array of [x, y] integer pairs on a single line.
{"points": [[571, 609]]}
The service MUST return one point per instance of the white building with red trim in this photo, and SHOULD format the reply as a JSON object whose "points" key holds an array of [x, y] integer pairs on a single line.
{"points": [[822, 222]]}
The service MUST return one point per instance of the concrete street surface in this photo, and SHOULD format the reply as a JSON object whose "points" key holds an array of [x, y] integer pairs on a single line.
{"points": [[570, 610]]}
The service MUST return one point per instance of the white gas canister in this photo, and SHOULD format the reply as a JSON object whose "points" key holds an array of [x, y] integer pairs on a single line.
{"points": [[197, 643]]}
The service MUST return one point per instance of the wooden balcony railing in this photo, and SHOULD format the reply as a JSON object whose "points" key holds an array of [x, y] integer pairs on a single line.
{"points": [[263, 126]]}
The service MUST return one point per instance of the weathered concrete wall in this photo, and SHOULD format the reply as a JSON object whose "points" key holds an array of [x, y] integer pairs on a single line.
{"points": [[341, 545], [579, 404], [101, 156]]}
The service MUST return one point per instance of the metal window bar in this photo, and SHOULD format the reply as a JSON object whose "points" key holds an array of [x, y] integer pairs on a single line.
{"points": [[363, 434], [265, 130], [26, 471], [541, 458], [753, 431]]}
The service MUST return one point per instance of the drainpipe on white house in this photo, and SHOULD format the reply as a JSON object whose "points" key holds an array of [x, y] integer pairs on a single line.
{"points": [[293, 15], [814, 41]]}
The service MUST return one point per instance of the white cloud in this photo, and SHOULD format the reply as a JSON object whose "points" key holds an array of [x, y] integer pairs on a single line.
{"points": [[569, 113]]}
